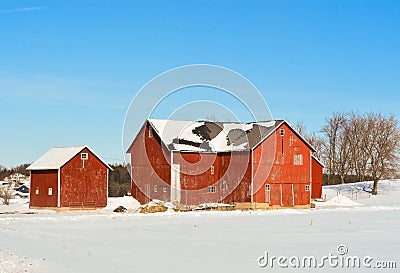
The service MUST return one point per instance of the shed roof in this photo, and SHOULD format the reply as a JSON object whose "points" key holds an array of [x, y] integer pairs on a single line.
{"points": [[57, 157]]}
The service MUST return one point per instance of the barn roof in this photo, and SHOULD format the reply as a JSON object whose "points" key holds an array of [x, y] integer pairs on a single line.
{"points": [[210, 136], [57, 157], [318, 160]]}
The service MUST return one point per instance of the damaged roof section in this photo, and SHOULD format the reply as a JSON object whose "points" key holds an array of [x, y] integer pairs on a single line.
{"points": [[207, 136]]}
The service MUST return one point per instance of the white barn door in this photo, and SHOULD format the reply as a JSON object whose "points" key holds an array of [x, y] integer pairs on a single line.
{"points": [[175, 183]]}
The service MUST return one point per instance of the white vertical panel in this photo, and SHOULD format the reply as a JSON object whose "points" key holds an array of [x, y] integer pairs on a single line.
{"points": [[175, 183], [58, 188], [292, 195]]}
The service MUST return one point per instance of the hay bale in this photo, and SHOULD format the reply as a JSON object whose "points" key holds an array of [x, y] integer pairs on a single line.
{"points": [[179, 207], [153, 209]]}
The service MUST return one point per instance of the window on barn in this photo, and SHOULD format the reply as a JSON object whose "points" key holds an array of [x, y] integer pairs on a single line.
{"points": [[298, 159], [37, 191], [212, 169], [282, 132], [211, 189], [221, 186], [50, 192], [307, 187], [268, 187], [150, 132], [84, 156], [155, 188]]}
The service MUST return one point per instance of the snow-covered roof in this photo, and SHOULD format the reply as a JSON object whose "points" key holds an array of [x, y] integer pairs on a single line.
{"points": [[57, 157], [210, 136]]}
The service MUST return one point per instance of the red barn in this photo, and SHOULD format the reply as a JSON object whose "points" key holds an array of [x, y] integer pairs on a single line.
{"points": [[201, 162], [67, 177]]}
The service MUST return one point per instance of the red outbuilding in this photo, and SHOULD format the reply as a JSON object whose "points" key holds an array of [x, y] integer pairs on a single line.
{"points": [[194, 162], [316, 186], [69, 177]]}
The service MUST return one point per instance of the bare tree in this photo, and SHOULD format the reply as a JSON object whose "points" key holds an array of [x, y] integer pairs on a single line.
{"points": [[357, 138], [318, 143], [6, 193], [364, 146], [343, 160], [300, 127], [383, 136], [332, 129]]}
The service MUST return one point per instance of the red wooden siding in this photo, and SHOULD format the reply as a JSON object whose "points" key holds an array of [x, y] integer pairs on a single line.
{"points": [[316, 187], [284, 171], [150, 167], [43, 179], [231, 177], [239, 178], [84, 181], [262, 157]]}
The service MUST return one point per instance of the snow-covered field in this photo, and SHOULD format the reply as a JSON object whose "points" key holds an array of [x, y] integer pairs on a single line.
{"points": [[201, 241]]}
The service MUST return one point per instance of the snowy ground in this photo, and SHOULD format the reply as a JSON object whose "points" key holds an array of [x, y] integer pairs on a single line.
{"points": [[202, 241]]}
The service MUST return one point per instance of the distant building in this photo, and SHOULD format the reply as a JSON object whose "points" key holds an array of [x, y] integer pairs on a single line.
{"points": [[195, 162], [21, 192], [23, 189], [69, 177], [17, 177]]}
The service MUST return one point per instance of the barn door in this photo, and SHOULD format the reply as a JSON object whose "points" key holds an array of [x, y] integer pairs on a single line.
{"points": [[275, 195], [287, 195], [175, 183]]}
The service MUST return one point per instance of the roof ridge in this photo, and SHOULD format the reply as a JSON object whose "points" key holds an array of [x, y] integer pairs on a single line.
{"points": [[74, 146], [216, 121], [56, 157]]}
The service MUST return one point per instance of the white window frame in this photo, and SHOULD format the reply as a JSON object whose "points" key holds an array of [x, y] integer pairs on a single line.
{"points": [[165, 189], [50, 191], [150, 132], [307, 187], [84, 156], [298, 159], [212, 170], [268, 187], [282, 132], [155, 188], [37, 191], [211, 189]]}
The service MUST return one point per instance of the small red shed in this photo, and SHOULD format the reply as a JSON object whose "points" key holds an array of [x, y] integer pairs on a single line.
{"points": [[195, 162], [67, 177]]}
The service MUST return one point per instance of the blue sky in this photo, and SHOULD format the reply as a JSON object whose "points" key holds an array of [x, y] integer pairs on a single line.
{"points": [[69, 69]]}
